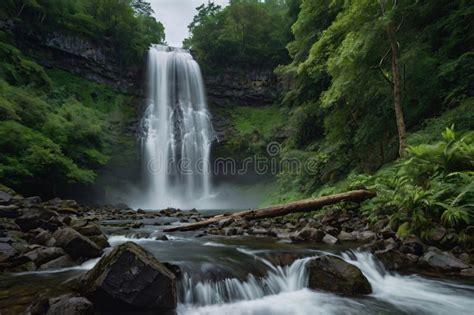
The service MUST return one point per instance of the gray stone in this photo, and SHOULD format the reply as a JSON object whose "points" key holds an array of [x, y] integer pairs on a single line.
{"points": [[330, 273], [75, 244], [443, 261], [129, 278], [58, 263], [329, 239], [70, 305]]}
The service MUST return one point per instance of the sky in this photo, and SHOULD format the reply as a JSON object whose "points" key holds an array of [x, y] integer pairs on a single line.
{"points": [[176, 16]]}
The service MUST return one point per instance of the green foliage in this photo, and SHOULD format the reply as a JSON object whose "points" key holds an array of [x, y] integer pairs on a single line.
{"points": [[126, 26], [432, 186], [244, 35]]}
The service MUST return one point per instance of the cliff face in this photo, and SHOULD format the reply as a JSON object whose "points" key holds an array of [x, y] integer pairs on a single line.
{"points": [[92, 61], [255, 88]]}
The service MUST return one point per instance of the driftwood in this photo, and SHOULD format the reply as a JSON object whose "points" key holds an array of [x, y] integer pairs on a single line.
{"points": [[305, 205]]}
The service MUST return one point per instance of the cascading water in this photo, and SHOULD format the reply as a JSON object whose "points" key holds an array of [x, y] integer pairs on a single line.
{"points": [[177, 131]]}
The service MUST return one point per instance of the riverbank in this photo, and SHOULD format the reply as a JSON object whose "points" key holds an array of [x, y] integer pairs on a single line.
{"points": [[45, 244]]}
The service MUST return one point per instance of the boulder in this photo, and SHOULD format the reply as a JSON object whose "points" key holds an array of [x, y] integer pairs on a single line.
{"points": [[394, 259], [70, 305], [7, 251], [100, 240], [468, 272], [129, 278], [442, 261], [43, 238], [64, 261], [10, 211], [75, 244], [308, 234], [330, 273], [346, 237], [88, 229], [412, 245], [366, 236], [38, 218], [329, 239], [42, 255], [5, 197]]}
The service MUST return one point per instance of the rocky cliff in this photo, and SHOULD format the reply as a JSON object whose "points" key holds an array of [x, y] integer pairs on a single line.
{"points": [[91, 60], [255, 88]]}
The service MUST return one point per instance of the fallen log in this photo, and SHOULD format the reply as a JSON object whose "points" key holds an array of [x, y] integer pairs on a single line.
{"points": [[305, 205]]}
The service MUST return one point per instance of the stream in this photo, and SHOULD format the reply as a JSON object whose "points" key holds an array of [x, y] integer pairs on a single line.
{"points": [[249, 275]]}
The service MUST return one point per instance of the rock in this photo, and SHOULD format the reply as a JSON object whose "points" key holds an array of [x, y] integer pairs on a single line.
{"points": [[345, 236], [129, 278], [38, 218], [331, 230], [100, 240], [437, 234], [75, 244], [366, 236], [10, 211], [5, 197], [308, 234], [88, 229], [7, 251], [330, 273], [137, 225], [17, 264], [394, 259], [329, 239], [43, 238], [412, 245], [43, 254], [468, 272], [64, 261], [258, 230], [443, 261], [70, 305]]}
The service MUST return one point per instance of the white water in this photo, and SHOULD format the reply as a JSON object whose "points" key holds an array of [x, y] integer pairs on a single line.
{"points": [[284, 291], [177, 132]]}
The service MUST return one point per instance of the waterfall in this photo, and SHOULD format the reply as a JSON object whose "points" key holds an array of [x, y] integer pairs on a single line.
{"points": [[177, 131]]}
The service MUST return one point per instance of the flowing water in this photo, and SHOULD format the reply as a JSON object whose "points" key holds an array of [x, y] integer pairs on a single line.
{"points": [[177, 132], [246, 275]]}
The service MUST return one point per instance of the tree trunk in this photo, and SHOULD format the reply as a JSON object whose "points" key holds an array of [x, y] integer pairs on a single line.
{"points": [[305, 205], [391, 32]]}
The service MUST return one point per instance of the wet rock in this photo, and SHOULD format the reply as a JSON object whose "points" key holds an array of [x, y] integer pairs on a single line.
{"points": [[64, 261], [345, 236], [442, 261], [437, 234], [10, 211], [329, 239], [308, 234], [129, 278], [394, 259], [43, 254], [88, 229], [70, 305], [468, 272], [75, 244], [100, 240], [137, 225], [412, 245], [330, 273], [17, 264]]}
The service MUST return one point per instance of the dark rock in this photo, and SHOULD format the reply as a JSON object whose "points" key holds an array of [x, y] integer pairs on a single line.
{"points": [[412, 245], [58, 263], [43, 254], [394, 259], [38, 218], [17, 264], [366, 236], [10, 211], [129, 278], [329, 239], [437, 234], [137, 225], [70, 305], [345, 236], [333, 274], [100, 240], [468, 272], [75, 244], [442, 261], [88, 229], [43, 238], [5, 197], [308, 234], [7, 251]]}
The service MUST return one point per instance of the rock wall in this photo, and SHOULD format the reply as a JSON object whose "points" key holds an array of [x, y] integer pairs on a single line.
{"points": [[255, 88], [83, 57]]}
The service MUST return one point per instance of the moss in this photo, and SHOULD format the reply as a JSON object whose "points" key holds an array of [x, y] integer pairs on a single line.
{"points": [[263, 120]]}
